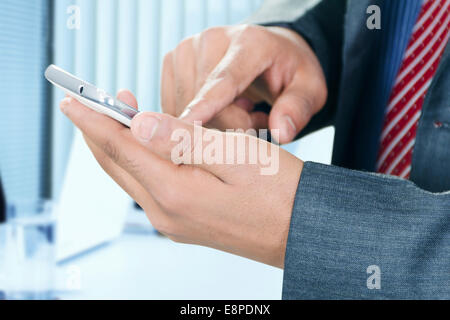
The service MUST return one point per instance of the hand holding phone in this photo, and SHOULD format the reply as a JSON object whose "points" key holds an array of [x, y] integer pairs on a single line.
{"points": [[91, 96]]}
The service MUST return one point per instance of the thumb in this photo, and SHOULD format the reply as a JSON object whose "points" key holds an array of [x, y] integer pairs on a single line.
{"points": [[174, 139], [292, 111]]}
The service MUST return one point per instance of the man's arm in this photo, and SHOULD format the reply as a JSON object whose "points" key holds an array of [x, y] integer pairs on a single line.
{"points": [[347, 223]]}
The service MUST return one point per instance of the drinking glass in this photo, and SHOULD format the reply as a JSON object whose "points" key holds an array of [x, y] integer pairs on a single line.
{"points": [[27, 251]]}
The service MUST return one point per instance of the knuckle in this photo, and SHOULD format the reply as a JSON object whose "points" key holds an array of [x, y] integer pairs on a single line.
{"points": [[211, 34], [184, 48], [251, 32], [246, 29], [249, 36], [167, 61]]}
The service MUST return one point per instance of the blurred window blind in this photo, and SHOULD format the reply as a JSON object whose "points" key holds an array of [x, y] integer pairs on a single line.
{"points": [[121, 44], [23, 91]]}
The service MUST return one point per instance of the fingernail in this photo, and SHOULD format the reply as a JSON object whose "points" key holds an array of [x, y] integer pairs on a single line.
{"points": [[64, 105], [147, 128], [289, 129]]}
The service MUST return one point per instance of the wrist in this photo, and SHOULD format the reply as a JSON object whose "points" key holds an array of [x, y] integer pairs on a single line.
{"points": [[287, 213]]}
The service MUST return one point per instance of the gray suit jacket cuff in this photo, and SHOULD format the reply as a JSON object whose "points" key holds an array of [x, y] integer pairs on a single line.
{"points": [[344, 221]]}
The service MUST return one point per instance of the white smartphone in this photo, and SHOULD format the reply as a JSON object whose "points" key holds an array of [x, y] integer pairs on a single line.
{"points": [[90, 96]]}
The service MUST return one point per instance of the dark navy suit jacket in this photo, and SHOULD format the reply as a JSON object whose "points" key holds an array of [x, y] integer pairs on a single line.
{"points": [[346, 221]]}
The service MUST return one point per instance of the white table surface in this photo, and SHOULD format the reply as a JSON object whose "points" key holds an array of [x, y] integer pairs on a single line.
{"points": [[148, 266]]}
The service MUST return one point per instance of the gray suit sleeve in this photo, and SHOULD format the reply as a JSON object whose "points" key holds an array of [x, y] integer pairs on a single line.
{"points": [[345, 222], [322, 26]]}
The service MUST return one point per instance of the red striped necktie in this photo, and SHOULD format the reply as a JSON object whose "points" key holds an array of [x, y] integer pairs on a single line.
{"points": [[420, 62]]}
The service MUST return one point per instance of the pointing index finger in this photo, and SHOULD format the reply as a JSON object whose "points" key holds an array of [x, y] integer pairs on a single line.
{"points": [[244, 61]]}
